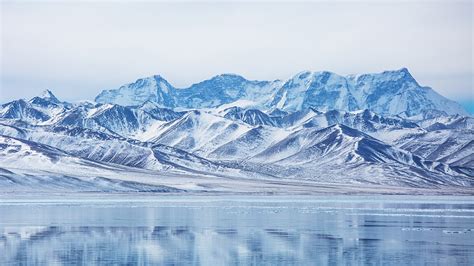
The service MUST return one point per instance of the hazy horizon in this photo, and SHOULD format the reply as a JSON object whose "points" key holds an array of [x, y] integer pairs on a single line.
{"points": [[79, 49]]}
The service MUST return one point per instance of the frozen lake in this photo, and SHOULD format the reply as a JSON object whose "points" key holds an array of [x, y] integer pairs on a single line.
{"points": [[230, 230]]}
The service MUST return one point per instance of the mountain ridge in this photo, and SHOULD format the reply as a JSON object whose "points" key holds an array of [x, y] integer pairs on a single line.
{"points": [[390, 92]]}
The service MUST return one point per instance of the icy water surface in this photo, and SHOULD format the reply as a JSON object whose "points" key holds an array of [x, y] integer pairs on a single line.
{"points": [[238, 230]]}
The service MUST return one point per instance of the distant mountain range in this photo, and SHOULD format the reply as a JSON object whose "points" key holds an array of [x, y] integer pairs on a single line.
{"points": [[386, 93], [229, 134]]}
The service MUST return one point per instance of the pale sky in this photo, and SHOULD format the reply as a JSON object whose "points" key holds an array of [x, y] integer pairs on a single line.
{"points": [[77, 49]]}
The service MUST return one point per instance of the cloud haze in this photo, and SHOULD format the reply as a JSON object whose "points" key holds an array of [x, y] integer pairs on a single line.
{"points": [[78, 49]]}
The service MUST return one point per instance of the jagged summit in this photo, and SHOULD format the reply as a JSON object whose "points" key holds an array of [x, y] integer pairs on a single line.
{"points": [[49, 96], [399, 73], [47, 102], [228, 76]]}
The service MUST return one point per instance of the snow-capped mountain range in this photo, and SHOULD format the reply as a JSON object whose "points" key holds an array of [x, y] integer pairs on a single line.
{"points": [[388, 93], [230, 134]]}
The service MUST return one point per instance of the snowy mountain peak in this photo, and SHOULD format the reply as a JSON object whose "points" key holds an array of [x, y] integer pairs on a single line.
{"points": [[154, 88], [48, 95], [158, 77], [402, 74], [320, 90], [45, 99], [228, 76], [399, 74]]}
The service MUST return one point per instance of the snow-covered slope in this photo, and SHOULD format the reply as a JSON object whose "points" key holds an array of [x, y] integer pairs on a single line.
{"points": [[342, 154], [447, 145], [199, 132], [320, 90], [252, 117], [30, 166], [114, 119], [100, 147], [154, 89], [162, 114], [387, 129], [440, 122], [249, 144], [334, 142], [22, 110], [397, 92], [38, 110], [19, 153]]}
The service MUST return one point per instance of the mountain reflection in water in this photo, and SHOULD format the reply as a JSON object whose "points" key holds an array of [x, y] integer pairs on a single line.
{"points": [[244, 233]]}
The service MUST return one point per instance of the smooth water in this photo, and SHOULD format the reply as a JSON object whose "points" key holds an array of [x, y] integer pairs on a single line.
{"points": [[239, 230]]}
